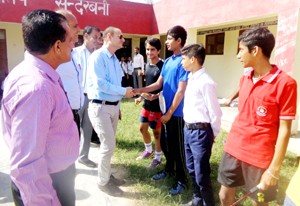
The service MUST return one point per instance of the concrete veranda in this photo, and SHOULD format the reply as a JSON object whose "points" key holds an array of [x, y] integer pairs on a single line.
{"points": [[87, 193]]}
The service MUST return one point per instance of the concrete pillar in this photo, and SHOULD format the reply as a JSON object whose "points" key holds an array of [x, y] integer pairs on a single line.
{"points": [[192, 36]]}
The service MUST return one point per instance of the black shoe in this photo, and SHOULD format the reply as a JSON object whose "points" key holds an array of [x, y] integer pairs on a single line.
{"points": [[111, 189], [87, 163], [116, 181]]}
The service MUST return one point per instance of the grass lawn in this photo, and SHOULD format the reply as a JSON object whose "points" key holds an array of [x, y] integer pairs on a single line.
{"points": [[148, 192]]}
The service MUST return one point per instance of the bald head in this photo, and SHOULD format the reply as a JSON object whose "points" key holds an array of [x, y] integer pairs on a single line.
{"points": [[72, 21]]}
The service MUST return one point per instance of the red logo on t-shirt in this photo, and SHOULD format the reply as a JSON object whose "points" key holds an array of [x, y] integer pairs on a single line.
{"points": [[261, 111]]}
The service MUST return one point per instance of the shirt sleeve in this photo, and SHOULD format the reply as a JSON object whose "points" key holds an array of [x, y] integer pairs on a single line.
{"points": [[183, 75], [213, 106], [30, 115], [288, 101]]}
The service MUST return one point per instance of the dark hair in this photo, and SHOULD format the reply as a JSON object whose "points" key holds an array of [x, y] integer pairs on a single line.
{"points": [[137, 48], [178, 32], [155, 42], [89, 29], [260, 37], [194, 50], [41, 29]]}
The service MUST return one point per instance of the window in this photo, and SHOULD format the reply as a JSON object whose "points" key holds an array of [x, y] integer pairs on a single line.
{"points": [[215, 43]]}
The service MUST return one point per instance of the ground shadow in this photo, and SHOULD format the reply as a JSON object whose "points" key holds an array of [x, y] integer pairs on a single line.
{"points": [[5, 191]]}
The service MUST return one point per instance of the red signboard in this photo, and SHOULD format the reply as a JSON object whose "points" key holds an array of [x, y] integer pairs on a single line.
{"points": [[132, 18]]}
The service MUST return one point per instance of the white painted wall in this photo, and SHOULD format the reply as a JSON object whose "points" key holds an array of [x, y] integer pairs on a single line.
{"points": [[15, 45]]}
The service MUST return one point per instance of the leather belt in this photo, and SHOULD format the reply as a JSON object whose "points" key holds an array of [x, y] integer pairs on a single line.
{"points": [[97, 101], [198, 125]]}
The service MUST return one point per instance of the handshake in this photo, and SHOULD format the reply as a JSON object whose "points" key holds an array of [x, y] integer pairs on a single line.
{"points": [[130, 92]]}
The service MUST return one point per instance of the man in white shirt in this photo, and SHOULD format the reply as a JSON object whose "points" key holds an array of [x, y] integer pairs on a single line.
{"points": [[138, 66], [81, 54], [70, 72]]}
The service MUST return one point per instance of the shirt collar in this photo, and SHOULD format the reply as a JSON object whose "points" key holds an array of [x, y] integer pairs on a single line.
{"points": [[269, 77], [197, 73], [42, 65], [105, 49]]}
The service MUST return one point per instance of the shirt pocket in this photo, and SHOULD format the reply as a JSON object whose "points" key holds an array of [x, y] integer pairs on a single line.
{"points": [[266, 111]]}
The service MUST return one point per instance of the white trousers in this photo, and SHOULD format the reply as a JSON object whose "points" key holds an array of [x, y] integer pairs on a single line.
{"points": [[104, 119]]}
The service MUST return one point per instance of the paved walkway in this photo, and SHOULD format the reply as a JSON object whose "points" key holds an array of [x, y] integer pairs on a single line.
{"points": [[87, 193]]}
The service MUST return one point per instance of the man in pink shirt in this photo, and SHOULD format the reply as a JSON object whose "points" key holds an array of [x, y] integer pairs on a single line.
{"points": [[39, 128]]}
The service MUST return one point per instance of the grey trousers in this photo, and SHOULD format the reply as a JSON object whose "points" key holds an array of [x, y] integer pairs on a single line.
{"points": [[86, 130], [105, 119]]}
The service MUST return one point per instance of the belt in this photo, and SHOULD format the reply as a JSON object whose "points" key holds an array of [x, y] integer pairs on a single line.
{"points": [[198, 125], [137, 68], [97, 101]]}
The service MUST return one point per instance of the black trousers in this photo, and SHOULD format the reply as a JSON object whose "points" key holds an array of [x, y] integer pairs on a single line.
{"points": [[172, 146], [63, 183]]}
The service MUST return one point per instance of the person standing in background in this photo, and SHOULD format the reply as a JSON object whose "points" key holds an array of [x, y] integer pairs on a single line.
{"points": [[138, 68], [125, 77], [70, 72], [105, 92], [38, 124], [81, 54], [130, 71]]}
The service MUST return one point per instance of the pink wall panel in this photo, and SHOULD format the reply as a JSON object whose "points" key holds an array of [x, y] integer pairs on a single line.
{"points": [[198, 13], [130, 17]]}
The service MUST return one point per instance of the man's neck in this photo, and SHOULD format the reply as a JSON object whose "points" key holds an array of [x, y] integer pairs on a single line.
{"points": [[261, 69], [91, 49], [177, 51], [154, 61]]}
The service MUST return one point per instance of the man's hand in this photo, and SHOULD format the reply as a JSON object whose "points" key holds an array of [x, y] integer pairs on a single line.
{"points": [[129, 92], [268, 179], [138, 100], [136, 91], [165, 118]]}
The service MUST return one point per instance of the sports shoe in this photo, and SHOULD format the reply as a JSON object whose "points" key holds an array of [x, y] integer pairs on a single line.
{"points": [[145, 155], [177, 189], [153, 164], [160, 175]]}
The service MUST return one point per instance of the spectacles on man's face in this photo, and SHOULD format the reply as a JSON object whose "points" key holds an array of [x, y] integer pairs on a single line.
{"points": [[120, 36]]}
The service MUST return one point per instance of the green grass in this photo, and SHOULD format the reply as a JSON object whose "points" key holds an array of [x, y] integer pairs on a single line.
{"points": [[148, 192]]}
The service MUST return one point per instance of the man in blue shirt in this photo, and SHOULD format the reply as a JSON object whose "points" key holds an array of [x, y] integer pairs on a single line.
{"points": [[173, 78], [105, 92]]}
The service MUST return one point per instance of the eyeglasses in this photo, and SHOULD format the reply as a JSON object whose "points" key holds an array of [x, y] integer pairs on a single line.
{"points": [[121, 36]]}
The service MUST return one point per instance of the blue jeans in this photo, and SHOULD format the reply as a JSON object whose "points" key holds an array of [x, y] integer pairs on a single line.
{"points": [[198, 144]]}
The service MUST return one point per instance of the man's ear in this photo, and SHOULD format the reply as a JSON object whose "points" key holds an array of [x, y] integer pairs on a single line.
{"points": [[56, 47], [179, 40], [255, 50]]}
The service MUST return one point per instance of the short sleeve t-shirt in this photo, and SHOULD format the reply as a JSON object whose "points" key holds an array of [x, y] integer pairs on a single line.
{"points": [[262, 105], [173, 73], [152, 73]]}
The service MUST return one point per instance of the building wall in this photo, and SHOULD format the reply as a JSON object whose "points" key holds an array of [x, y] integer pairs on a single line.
{"points": [[15, 45]]}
